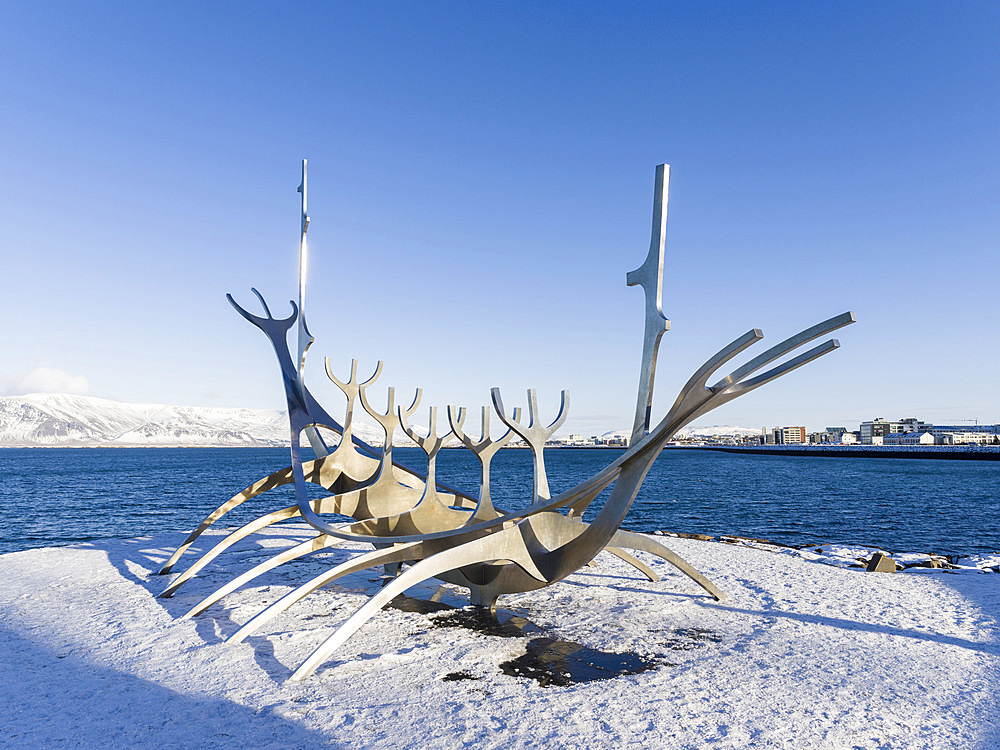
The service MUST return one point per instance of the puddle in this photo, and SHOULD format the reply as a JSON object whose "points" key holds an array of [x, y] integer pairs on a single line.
{"points": [[549, 661], [478, 619], [558, 663], [456, 676]]}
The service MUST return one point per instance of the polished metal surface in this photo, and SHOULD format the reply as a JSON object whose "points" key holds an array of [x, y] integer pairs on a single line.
{"points": [[534, 434], [484, 448], [650, 277], [457, 537]]}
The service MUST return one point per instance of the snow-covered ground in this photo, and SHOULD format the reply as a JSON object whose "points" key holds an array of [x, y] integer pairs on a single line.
{"points": [[801, 655]]}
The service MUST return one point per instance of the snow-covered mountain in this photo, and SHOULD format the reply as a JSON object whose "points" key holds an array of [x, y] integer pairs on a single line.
{"points": [[59, 419], [718, 430], [56, 419]]}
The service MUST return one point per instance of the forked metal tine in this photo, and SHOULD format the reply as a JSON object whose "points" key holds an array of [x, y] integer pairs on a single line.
{"points": [[532, 431], [695, 388], [374, 376], [405, 425], [484, 422], [509, 432], [533, 414], [786, 346], [514, 422], [746, 386], [456, 420], [404, 413], [378, 416], [724, 355], [351, 383], [498, 405], [735, 390], [259, 321], [260, 297], [415, 436]]}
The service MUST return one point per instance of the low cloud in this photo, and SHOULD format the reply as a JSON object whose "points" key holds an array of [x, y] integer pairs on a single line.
{"points": [[45, 380]]}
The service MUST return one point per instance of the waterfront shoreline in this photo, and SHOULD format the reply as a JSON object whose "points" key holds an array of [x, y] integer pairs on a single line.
{"points": [[873, 451]]}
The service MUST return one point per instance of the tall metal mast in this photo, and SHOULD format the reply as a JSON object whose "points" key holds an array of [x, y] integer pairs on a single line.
{"points": [[650, 277], [305, 338]]}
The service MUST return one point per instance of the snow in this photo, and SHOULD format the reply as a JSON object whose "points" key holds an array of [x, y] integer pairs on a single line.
{"points": [[801, 655], [68, 420], [717, 430], [56, 419]]}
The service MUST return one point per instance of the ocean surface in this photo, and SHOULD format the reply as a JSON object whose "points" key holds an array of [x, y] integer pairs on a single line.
{"points": [[60, 496]]}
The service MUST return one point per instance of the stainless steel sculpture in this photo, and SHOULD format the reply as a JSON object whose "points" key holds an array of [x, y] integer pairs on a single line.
{"points": [[459, 538]]}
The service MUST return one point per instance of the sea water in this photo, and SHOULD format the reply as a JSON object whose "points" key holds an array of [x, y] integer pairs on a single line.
{"points": [[62, 496]]}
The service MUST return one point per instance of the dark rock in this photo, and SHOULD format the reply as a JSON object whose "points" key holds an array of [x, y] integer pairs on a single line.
{"points": [[881, 564], [701, 537]]}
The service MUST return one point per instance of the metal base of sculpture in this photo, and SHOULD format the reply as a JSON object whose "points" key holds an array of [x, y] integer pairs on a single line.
{"points": [[459, 538]]}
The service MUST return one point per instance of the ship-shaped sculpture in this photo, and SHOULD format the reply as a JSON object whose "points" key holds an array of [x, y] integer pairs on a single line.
{"points": [[437, 531]]}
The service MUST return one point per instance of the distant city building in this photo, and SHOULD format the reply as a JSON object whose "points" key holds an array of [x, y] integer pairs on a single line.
{"points": [[835, 433], [968, 438], [909, 431], [789, 435], [909, 438], [874, 432], [831, 435], [988, 429]]}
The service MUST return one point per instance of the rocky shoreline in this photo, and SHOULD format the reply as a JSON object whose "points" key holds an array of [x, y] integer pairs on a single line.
{"points": [[861, 557]]}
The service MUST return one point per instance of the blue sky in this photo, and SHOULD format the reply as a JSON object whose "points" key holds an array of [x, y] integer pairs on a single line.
{"points": [[480, 182]]}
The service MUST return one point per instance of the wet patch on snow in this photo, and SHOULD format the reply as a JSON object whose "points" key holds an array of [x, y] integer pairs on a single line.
{"points": [[550, 661]]}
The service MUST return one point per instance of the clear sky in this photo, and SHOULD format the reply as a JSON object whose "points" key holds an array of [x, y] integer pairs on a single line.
{"points": [[480, 182]]}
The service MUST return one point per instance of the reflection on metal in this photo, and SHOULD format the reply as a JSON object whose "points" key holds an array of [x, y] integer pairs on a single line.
{"points": [[459, 538], [484, 448], [534, 435], [650, 277]]}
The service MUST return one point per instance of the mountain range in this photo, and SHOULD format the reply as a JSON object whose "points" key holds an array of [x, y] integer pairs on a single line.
{"points": [[64, 420], [57, 419]]}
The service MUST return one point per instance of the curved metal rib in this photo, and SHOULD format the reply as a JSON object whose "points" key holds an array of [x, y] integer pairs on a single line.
{"points": [[401, 553], [630, 540], [633, 561], [319, 542], [490, 547], [322, 471], [241, 533]]}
